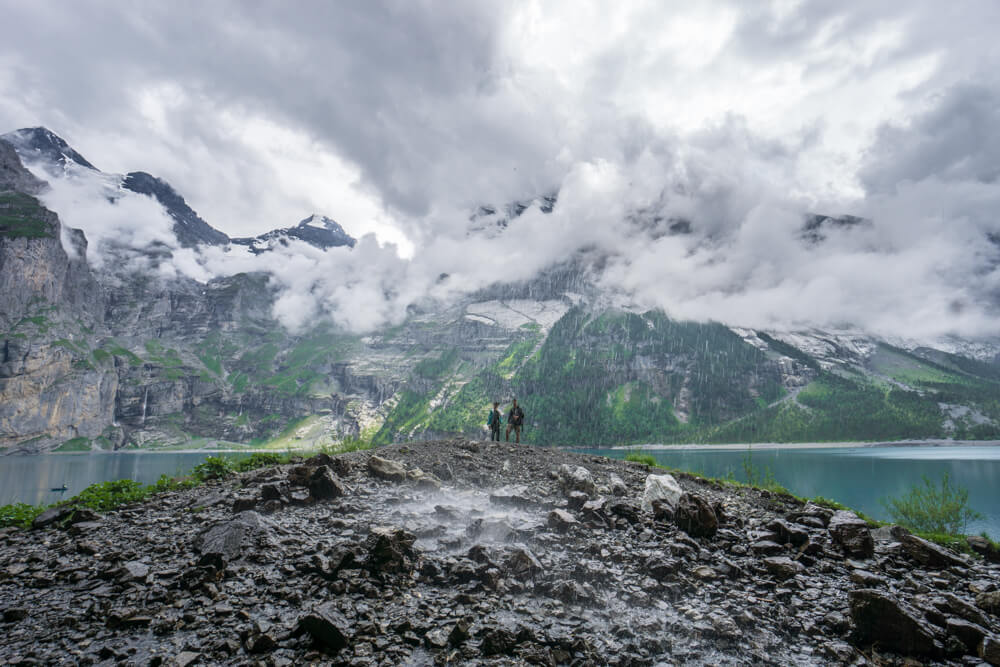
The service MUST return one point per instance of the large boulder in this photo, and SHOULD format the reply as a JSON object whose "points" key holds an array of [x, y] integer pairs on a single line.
{"points": [[328, 628], [695, 516], [390, 549], [884, 621], [787, 533], [852, 534], [229, 539], [929, 554], [386, 469], [323, 485], [576, 478], [970, 634], [663, 488]]}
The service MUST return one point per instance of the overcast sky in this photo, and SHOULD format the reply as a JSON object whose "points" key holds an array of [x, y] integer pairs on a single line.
{"points": [[399, 117]]}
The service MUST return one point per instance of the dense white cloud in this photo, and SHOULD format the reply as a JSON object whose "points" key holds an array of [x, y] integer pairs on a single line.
{"points": [[398, 118]]}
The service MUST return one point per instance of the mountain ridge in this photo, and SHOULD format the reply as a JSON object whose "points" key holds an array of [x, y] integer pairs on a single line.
{"points": [[139, 360]]}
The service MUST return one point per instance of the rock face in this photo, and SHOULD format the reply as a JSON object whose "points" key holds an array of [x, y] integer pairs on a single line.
{"points": [[473, 572], [44, 393]]}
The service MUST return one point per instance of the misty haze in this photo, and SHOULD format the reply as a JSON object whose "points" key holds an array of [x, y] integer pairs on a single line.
{"points": [[500, 333]]}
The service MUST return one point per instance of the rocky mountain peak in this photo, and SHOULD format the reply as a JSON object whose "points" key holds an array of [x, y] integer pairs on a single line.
{"points": [[44, 144], [191, 230], [316, 230]]}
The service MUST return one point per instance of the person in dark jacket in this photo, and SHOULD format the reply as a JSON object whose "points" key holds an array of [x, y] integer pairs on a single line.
{"points": [[493, 421], [515, 420]]}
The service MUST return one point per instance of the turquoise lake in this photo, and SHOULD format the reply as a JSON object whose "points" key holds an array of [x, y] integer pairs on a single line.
{"points": [[30, 479], [858, 477]]}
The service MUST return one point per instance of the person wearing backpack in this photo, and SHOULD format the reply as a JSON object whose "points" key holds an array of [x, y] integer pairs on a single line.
{"points": [[515, 420], [493, 421]]}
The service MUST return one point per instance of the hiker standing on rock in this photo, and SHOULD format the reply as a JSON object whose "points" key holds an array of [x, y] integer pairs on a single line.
{"points": [[515, 419], [493, 421]]}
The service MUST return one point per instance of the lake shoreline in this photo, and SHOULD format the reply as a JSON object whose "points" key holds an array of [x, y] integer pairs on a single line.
{"points": [[811, 445], [650, 446]]}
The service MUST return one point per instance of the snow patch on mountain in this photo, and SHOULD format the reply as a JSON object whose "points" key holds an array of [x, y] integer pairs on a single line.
{"points": [[517, 313]]}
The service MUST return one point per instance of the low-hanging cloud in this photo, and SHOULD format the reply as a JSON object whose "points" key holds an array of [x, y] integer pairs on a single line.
{"points": [[737, 119]]}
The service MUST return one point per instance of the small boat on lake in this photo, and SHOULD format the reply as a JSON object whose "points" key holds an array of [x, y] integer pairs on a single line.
{"points": [[60, 488]]}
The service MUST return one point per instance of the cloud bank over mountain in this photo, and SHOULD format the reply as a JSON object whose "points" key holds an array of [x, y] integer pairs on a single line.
{"points": [[398, 119]]}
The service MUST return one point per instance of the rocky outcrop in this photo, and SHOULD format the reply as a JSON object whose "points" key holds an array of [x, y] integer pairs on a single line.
{"points": [[494, 567]]}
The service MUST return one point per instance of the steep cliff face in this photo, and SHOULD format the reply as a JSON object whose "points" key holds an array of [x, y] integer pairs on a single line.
{"points": [[48, 392]]}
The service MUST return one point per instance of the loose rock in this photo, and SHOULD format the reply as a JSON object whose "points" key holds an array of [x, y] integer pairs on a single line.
{"points": [[663, 488], [852, 534]]}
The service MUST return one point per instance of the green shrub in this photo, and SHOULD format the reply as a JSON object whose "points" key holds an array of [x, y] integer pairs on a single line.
{"points": [[18, 514], [645, 459], [259, 460], [354, 444], [936, 509], [105, 496], [167, 483], [213, 467]]}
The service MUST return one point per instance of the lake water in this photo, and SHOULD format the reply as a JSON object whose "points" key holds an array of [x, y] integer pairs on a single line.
{"points": [[857, 476], [30, 479]]}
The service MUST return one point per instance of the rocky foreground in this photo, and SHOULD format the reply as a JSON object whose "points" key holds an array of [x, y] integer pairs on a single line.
{"points": [[460, 552]]}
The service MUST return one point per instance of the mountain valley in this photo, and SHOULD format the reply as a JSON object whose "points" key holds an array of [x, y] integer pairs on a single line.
{"points": [[106, 350]]}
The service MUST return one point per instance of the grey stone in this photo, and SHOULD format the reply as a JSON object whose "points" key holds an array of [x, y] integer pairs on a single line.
{"points": [[984, 548], [970, 634], [695, 516], [989, 649], [386, 469], [783, 567], [881, 619], [522, 563], [230, 538], [989, 601], [662, 488], [561, 520], [576, 478], [852, 534], [929, 554], [323, 485], [617, 485], [136, 570], [327, 626]]}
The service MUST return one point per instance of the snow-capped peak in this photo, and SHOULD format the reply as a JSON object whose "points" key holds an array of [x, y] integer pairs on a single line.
{"points": [[317, 221]]}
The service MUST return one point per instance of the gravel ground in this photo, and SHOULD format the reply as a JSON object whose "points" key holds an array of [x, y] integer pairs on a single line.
{"points": [[462, 552]]}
